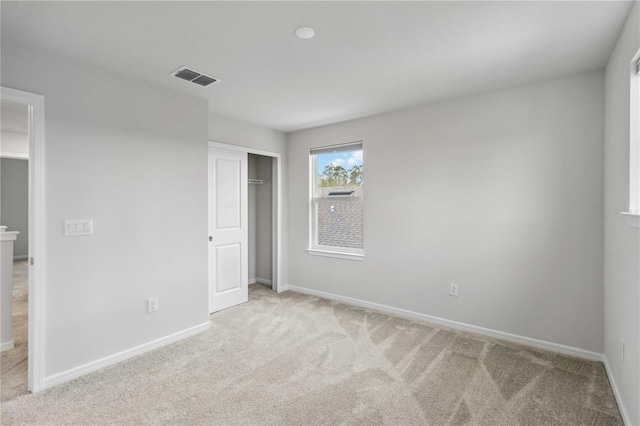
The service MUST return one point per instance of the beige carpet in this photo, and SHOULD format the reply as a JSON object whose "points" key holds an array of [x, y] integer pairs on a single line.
{"points": [[13, 367], [295, 359]]}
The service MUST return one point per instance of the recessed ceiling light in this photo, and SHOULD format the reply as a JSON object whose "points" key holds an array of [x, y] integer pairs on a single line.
{"points": [[305, 33]]}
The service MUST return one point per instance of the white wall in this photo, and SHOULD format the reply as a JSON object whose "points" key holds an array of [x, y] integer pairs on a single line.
{"points": [[14, 201], [252, 197], [264, 221], [132, 157], [235, 132], [501, 193], [621, 241], [14, 144], [14, 130]]}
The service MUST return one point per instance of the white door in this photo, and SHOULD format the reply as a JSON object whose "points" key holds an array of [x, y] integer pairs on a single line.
{"points": [[228, 233]]}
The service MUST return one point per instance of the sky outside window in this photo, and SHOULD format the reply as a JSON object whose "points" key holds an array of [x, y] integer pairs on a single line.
{"points": [[344, 159]]}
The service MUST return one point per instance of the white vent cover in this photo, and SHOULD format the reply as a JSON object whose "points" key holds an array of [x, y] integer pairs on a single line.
{"points": [[194, 76]]}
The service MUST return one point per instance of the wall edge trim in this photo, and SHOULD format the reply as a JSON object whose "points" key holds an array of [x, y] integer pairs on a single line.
{"points": [[616, 392], [116, 358], [541, 344]]}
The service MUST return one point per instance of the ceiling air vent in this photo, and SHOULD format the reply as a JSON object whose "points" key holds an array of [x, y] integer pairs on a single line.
{"points": [[194, 76]]}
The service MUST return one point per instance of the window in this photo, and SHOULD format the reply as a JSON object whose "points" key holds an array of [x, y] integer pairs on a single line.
{"points": [[337, 192], [634, 145], [635, 142]]}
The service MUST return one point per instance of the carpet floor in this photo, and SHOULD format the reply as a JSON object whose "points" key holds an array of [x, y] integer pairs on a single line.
{"points": [[13, 365], [293, 359]]}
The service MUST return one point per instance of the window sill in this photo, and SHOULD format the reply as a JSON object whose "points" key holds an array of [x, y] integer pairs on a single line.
{"points": [[633, 219], [336, 254]]}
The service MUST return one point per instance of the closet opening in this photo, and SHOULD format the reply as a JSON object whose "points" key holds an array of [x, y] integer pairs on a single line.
{"points": [[261, 219]]}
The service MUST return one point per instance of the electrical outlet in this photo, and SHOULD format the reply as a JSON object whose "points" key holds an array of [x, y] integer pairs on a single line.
{"points": [[453, 289], [152, 304], [622, 350]]}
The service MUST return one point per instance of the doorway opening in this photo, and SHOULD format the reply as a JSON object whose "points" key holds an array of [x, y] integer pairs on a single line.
{"points": [[14, 218], [23, 207]]}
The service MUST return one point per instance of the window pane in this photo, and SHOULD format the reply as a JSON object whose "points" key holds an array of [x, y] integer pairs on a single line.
{"points": [[339, 169], [340, 222], [338, 192]]}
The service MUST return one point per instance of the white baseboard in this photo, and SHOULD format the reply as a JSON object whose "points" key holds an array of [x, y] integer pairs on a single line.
{"points": [[616, 392], [5, 346], [282, 288], [555, 347], [260, 281], [24, 256], [92, 366]]}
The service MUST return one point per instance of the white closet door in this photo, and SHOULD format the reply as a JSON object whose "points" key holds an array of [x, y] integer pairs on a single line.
{"points": [[228, 229]]}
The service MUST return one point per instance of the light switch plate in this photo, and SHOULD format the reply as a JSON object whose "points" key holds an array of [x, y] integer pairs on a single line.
{"points": [[77, 228]]}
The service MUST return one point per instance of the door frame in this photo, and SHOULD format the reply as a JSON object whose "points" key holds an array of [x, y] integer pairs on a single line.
{"points": [[276, 205], [37, 258]]}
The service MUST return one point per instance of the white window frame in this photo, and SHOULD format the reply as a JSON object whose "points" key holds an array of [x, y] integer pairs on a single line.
{"points": [[633, 214], [316, 249]]}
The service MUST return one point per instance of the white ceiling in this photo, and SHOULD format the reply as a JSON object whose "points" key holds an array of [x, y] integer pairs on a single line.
{"points": [[366, 58], [14, 117]]}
